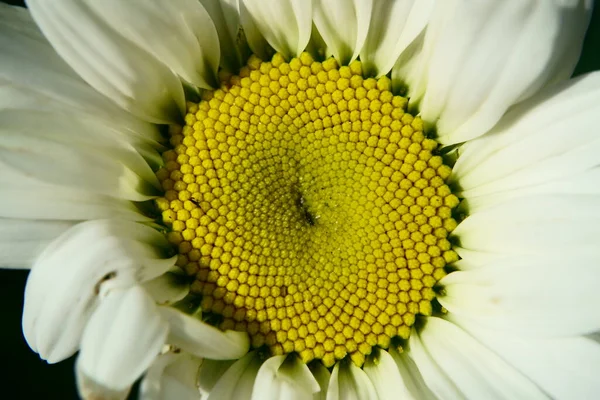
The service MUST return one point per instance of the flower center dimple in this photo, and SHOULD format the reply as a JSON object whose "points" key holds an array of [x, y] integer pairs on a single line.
{"points": [[309, 208]]}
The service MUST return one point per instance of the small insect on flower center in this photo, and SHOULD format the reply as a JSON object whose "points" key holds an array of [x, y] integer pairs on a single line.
{"points": [[309, 208]]}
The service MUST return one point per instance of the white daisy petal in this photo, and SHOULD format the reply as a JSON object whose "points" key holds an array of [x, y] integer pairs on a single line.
{"points": [[171, 376], [225, 14], [433, 375], [51, 202], [178, 33], [27, 198], [481, 58], [546, 296], [21, 241], [48, 83], [285, 24], [67, 278], [412, 378], [203, 340], [475, 370], [322, 375], [238, 382], [532, 149], [42, 145], [385, 376], [168, 288], [565, 368], [109, 61], [257, 43], [284, 377], [348, 382], [210, 372], [120, 341], [395, 24], [533, 225], [343, 25]]}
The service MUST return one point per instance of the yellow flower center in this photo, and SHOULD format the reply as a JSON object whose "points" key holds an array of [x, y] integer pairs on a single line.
{"points": [[309, 207]]}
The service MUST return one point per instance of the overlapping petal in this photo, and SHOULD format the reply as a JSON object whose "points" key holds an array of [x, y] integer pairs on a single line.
{"points": [[68, 278], [121, 340], [203, 340], [343, 25], [394, 25], [480, 58], [284, 377], [545, 146], [474, 369], [111, 61], [285, 24]]}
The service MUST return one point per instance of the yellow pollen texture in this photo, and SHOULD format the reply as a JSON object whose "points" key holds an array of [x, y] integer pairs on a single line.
{"points": [[309, 208]]}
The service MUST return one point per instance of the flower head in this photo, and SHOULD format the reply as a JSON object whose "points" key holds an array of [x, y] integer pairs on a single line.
{"points": [[304, 199]]}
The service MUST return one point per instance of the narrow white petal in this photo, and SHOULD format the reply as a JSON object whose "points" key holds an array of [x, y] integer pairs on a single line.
{"points": [[238, 382], [543, 296], [532, 149], [203, 340], [415, 385], [322, 375], [474, 369], [284, 377], [171, 376], [481, 58], [178, 33], [22, 241], [285, 24], [225, 14], [343, 25], [432, 373], [28, 198], [110, 62], [395, 24], [210, 372], [565, 368], [64, 285], [74, 153], [120, 341], [348, 382], [48, 83], [256, 41], [533, 225], [386, 377]]}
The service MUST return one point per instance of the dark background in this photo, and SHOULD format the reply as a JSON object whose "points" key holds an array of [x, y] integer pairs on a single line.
{"points": [[23, 371]]}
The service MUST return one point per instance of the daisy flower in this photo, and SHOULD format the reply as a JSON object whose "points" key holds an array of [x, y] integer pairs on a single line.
{"points": [[295, 199]]}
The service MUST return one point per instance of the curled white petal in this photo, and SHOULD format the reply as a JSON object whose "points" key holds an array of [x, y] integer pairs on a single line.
{"points": [[121, 340], [172, 375], [66, 280]]}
